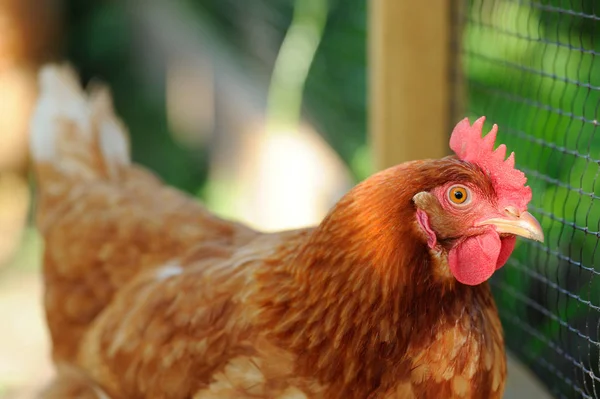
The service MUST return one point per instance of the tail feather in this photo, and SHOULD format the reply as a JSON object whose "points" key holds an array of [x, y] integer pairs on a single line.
{"points": [[75, 133], [113, 138]]}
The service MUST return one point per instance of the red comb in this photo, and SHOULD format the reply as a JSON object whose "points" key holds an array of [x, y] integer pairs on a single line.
{"points": [[469, 145]]}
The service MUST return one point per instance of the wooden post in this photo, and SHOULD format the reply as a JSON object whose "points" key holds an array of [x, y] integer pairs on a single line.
{"points": [[410, 88]]}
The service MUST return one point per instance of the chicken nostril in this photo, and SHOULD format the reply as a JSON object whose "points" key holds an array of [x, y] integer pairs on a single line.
{"points": [[512, 211]]}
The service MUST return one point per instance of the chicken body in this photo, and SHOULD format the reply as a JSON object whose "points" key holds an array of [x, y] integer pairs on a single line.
{"points": [[148, 295]]}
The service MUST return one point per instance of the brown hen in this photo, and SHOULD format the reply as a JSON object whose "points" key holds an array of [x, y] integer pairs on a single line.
{"points": [[148, 295]]}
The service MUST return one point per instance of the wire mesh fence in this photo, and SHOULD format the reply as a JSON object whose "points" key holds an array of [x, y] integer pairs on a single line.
{"points": [[532, 67]]}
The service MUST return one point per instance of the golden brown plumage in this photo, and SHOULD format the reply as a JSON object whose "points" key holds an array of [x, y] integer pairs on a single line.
{"points": [[148, 295]]}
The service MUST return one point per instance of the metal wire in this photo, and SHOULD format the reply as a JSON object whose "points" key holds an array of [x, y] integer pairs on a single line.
{"points": [[532, 68]]}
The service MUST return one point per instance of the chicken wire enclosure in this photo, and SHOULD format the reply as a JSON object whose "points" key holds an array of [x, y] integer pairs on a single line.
{"points": [[533, 68]]}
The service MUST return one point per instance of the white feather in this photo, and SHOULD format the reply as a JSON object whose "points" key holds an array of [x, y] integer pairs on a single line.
{"points": [[169, 270], [60, 99]]}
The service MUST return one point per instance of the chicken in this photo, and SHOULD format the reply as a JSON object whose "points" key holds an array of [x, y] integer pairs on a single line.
{"points": [[148, 295]]}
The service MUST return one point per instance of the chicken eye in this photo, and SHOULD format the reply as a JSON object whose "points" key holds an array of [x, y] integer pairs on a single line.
{"points": [[458, 195]]}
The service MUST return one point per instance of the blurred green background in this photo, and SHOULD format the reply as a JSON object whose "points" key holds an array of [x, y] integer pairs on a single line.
{"points": [[530, 66], [102, 43]]}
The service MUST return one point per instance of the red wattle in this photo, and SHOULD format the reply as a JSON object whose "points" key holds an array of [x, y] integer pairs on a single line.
{"points": [[508, 244], [475, 260]]}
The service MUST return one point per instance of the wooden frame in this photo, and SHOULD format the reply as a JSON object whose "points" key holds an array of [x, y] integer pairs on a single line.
{"points": [[410, 79]]}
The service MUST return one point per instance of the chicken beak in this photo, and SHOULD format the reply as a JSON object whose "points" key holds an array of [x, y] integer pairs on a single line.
{"points": [[518, 223]]}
